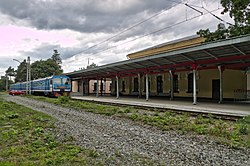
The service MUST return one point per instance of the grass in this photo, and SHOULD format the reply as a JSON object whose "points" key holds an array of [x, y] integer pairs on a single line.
{"points": [[27, 139], [235, 134]]}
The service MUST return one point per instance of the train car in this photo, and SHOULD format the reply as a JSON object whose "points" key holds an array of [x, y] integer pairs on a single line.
{"points": [[49, 86]]}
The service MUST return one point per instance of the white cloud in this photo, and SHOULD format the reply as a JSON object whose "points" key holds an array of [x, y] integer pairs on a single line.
{"points": [[35, 28]]}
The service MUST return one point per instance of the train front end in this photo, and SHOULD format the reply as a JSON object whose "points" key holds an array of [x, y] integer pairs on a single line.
{"points": [[61, 86]]}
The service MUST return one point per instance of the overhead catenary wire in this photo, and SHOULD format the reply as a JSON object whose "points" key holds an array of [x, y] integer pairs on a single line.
{"points": [[149, 18], [125, 30], [148, 34], [217, 17], [202, 7]]}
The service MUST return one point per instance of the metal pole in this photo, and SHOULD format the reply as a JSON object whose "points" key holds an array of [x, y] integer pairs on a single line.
{"points": [[147, 88], [117, 87], [139, 83], [29, 76], [221, 83], [171, 85], [194, 88]]}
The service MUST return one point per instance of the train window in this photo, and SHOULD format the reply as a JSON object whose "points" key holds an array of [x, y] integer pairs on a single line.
{"points": [[57, 81], [65, 81]]}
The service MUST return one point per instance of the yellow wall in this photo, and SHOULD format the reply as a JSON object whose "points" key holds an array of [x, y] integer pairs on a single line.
{"points": [[232, 80], [204, 82], [74, 86], [167, 48]]}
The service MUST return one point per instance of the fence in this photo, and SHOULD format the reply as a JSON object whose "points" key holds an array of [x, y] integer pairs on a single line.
{"points": [[241, 95]]}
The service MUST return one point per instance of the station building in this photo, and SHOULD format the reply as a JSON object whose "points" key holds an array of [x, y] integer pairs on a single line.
{"points": [[185, 68]]}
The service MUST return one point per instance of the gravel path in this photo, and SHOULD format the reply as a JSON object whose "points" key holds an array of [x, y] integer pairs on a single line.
{"points": [[126, 139]]}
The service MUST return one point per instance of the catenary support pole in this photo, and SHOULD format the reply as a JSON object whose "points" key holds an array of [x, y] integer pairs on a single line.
{"points": [[28, 76], [117, 87], [147, 88]]}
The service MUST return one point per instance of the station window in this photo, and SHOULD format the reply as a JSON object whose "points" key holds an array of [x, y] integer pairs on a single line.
{"points": [[176, 83]]}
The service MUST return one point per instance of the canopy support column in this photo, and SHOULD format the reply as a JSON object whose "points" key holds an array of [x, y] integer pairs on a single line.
{"points": [[221, 69], [194, 67], [117, 87], [147, 88], [139, 83], [171, 85]]}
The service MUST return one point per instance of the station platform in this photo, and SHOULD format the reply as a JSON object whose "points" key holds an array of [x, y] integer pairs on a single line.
{"points": [[237, 109]]}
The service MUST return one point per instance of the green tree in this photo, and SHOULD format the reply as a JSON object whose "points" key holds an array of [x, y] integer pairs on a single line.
{"points": [[93, 65], [56, 57], [41, 69], [239, 11], [21, 72], [10, 72], [3, 83]]}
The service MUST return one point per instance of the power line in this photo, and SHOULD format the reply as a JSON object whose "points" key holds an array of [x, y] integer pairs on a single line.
{"points": [[159, 30], [123, 31]]}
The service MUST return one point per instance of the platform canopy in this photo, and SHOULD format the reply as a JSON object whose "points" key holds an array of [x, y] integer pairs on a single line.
{"points": [[233, 53]]}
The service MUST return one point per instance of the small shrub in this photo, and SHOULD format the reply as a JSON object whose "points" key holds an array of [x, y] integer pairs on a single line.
{"points": [[243, 129], [39, 130], [13, 116], [133, 116], [63, 99]]}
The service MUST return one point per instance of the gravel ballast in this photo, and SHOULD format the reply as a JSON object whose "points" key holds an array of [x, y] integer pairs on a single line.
{"points": [[129, 141]]}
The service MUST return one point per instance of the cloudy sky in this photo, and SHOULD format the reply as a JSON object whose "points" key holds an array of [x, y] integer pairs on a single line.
{"points": [[95, 29]]}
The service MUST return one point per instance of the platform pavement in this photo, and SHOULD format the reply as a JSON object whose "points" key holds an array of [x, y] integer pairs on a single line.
{"points": [[233, 109]]}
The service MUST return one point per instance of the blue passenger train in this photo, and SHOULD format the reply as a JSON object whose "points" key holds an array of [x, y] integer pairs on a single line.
{"points": [[49, 86]]}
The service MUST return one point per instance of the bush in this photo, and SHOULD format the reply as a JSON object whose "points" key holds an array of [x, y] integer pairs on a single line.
{"points": [[63, 99]]}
